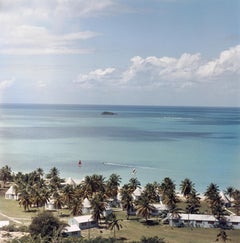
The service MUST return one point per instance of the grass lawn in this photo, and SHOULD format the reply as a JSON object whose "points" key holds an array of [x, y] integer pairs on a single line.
{"points": [[134, 229], [11, 208]]}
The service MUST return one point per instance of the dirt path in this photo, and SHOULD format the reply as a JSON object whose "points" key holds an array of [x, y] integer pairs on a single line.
{"points": [[11, 218]]}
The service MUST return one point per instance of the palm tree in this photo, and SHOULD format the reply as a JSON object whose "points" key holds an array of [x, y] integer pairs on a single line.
{"points": [[25, 200], [193, 202], [76, 206], [230, 191], [112, 185], [126, 199], [134, 183], [169, 196], [5, 174], [144, 208], [151, 192], [212, 192], [215, 201], [114, 224], [40, 172], [167, 186], [58, 201], [99, 183], [98, 206], [36, 197], [171, 200], [67, 195], [45, 196], [54, 172], [93, 184], [186, 187]]}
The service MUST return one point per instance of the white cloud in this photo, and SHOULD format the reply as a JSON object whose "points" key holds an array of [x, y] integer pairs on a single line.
{"points": [[6, 84], [34, 40], [95, 77], [228, 62], [82, 8], [182, 72], [46, 9], [41, 27]]}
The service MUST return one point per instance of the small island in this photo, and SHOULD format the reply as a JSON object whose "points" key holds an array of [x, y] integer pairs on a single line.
{"points": [[108, 113]]}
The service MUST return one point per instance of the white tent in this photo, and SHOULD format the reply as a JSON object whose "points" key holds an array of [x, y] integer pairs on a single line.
{"points": [[137, 193], [86, 206], [11, 194], [71, 182]]}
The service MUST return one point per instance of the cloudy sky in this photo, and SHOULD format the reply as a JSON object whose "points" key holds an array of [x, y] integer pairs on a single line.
{"points": [[152, 52]]}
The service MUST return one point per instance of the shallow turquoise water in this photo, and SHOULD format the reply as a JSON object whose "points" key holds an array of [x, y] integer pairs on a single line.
{"points": [[200, 143]]}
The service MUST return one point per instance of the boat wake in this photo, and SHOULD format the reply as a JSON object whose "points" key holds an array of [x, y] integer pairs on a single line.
{"points": [[128, 165]]}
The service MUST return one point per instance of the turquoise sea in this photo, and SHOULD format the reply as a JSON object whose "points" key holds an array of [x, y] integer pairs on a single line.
{"points": [[200, 143]]}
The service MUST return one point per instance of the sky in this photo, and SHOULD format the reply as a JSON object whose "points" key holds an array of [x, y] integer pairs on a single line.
{"points": [[120, 52]]}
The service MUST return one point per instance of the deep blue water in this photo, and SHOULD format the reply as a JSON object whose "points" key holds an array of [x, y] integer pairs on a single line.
{"points": [[202, 143]]}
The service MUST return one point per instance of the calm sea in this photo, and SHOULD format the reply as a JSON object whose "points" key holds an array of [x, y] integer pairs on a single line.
{"points": [[202, 144]]}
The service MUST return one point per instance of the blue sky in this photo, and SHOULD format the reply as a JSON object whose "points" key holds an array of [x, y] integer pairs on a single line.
{"points": [[154, 52]]}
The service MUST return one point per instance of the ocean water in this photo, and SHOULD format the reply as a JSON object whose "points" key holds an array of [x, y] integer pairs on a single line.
{"points": [[200, 143]]}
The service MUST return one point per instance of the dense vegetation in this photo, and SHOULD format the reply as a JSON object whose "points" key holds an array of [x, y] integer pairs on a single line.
{"points": [[36, 189]]}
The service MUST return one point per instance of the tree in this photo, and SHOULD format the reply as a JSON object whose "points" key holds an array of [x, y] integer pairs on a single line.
{"points": [[25, 200], [222, 236], [212, 192], [54, 172], [151, 191], [40, 172], [55, 180], [134, 183], [93, 184], [193, 202], [114, 223], [230, 191], [67, 195], [186, 187], [112, 185], [98, 206], [126, 199], [215, 201], [144, 208], [76, 206], [5, 174], [58, 200], [169, 196], [46, 225]]}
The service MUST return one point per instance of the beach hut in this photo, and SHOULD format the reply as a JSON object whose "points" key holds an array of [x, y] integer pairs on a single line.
{"points": [[72, 231], [203, 221], [159, 208], [83, 222], [11, 194]]}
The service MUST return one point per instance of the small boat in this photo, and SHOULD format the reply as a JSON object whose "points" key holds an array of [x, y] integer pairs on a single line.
{"points": [[80, 163]]}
